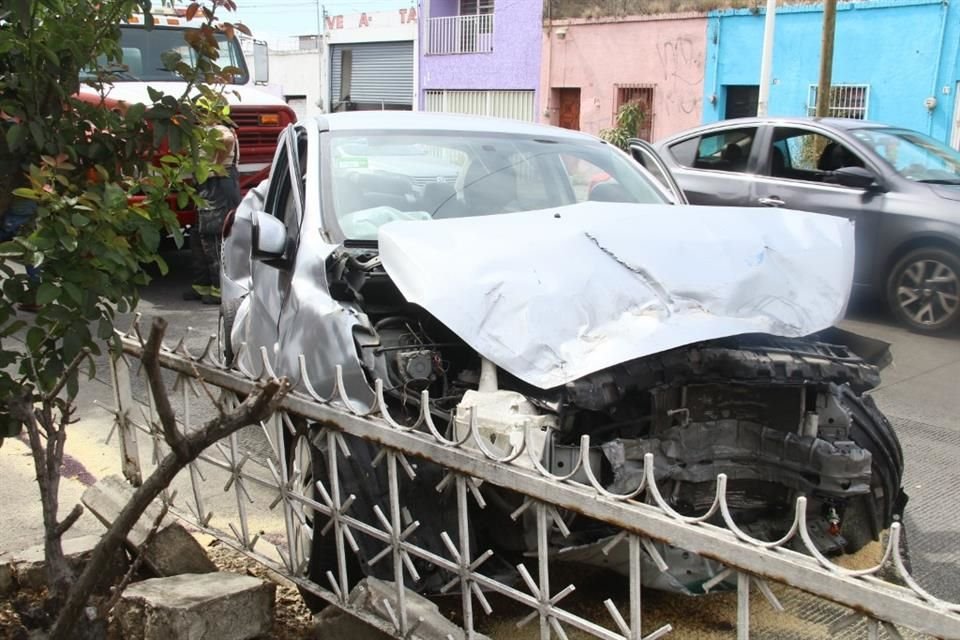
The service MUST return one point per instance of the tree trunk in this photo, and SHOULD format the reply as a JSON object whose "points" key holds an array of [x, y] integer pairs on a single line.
{"points": [[46, 462]]}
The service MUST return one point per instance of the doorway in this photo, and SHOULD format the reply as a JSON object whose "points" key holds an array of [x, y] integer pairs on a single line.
{"points": [[568, 107], [741, 101]]}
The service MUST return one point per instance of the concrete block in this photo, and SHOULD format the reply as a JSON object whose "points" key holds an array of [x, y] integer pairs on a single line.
{"points": [[174, 550], [27, 569], [335, 624], [369, 595], [211, 606]]}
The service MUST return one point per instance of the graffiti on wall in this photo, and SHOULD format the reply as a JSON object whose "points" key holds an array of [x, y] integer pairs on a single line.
{"points": [[681, 63]]}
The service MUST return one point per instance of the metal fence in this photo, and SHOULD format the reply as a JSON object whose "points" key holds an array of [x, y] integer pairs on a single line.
{"points": [[244, 481], [460, 34]]}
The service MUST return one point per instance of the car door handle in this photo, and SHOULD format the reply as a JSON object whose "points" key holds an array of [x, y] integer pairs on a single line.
{"points": [[773, 201]]}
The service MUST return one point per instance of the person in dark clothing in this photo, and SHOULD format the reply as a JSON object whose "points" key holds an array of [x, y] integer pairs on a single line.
{"points": [[221, 194]]}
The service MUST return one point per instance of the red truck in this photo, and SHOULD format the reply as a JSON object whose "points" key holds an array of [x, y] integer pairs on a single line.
{"points": [[259, 115]]}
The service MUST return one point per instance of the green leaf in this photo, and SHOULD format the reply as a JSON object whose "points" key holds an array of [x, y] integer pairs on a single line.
{"points": [[104, 329], [39, 136], [69, 243], [24, 192], [12, 328], [73, 385], [75, 292], [155, 94], [80, 220], [15, 136], [35, 337], [51, 55], [22, 8], [47, 293], [135, 112]]}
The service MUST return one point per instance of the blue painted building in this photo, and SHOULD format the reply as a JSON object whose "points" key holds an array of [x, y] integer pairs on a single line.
{"points": [[895, 61]]}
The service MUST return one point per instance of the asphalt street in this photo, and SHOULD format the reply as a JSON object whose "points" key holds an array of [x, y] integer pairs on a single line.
{"points": [[920, 394]]}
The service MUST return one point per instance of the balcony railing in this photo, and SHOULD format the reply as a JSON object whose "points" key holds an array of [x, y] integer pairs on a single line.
{"points": [[460, 34]]}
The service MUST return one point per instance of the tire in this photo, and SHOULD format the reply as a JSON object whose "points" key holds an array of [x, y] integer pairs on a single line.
{"points": [[923, 290], [228, 315], [322, 556]]}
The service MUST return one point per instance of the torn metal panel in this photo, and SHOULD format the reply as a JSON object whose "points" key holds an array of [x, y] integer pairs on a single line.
{"points": [[551, 296]]}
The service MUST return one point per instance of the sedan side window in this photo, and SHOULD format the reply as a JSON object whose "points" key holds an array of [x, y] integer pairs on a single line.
{"points": [[801, 154], [727, 150]]}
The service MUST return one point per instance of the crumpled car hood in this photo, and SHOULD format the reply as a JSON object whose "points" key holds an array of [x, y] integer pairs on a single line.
{"points": [[553, 295]]}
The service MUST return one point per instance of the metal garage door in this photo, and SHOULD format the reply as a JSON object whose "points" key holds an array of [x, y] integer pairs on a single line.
{"points": [[516, 105], [372, 73]]}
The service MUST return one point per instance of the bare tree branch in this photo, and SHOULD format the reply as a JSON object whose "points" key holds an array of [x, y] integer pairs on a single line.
{"points": [[71, 368], [70, 520], [151, 363]]}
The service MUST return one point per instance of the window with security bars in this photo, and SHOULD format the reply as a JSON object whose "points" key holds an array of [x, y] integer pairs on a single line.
{"points": [[846, 101], [643, 94], [473, 7]]}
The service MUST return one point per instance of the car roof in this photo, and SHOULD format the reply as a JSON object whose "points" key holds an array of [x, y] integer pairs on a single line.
{"points": [[428, 121], [845, 124]]}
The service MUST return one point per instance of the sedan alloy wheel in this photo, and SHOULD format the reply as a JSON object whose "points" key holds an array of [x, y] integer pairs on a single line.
{"points": [[924, 290]]}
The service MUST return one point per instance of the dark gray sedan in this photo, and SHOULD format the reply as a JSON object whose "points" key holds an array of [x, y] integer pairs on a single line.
{"points": [[901, 188]]}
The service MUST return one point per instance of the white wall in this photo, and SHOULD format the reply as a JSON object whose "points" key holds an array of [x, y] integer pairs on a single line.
{"points": [[298, 73], [374, 26]]}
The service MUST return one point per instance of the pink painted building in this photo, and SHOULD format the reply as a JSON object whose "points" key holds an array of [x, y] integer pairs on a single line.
{"points": [[592, 66]]}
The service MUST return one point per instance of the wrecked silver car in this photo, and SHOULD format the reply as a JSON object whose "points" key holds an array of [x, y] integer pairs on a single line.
{"points": [[536, 276]]}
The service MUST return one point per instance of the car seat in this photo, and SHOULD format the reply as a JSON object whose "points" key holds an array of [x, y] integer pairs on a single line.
{"points": [[836, 156], [487, 191], [733, 157]]}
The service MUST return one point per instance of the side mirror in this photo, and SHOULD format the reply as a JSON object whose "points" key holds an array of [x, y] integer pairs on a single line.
{"points": [[261, 62], [269, 239], [855, 177]]}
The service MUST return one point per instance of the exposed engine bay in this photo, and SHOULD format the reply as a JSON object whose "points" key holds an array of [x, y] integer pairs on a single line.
{"points": [[781, 417]]}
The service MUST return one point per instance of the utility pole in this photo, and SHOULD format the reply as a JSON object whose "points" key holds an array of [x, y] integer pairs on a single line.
{"points": [[766, 59], [826, 58], [321, 15]]}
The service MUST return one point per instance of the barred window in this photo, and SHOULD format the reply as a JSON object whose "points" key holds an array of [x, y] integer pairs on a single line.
{"points": [[642, 93], [846, 101]]}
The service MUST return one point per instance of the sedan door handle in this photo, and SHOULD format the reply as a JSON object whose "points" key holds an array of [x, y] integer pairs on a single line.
{"points": [[773, 201]]}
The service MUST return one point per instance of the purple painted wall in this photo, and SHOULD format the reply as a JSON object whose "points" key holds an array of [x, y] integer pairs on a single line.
{"points": [[514, 62]]}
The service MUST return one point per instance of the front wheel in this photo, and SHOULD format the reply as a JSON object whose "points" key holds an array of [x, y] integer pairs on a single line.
{"points": [[228, 315], [313, 552], [923, 290]]}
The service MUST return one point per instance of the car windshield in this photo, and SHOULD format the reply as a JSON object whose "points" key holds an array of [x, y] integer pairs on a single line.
{"points": [[143, 52], [913, 155], [379, 177]]}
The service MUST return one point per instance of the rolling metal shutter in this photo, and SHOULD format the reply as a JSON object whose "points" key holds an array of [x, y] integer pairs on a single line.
{"points": [[379, 72], [516, 105]]}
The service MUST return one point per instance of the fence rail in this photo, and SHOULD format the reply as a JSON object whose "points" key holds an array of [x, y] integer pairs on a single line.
{"points": [[645, 520], [460, 34]]}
